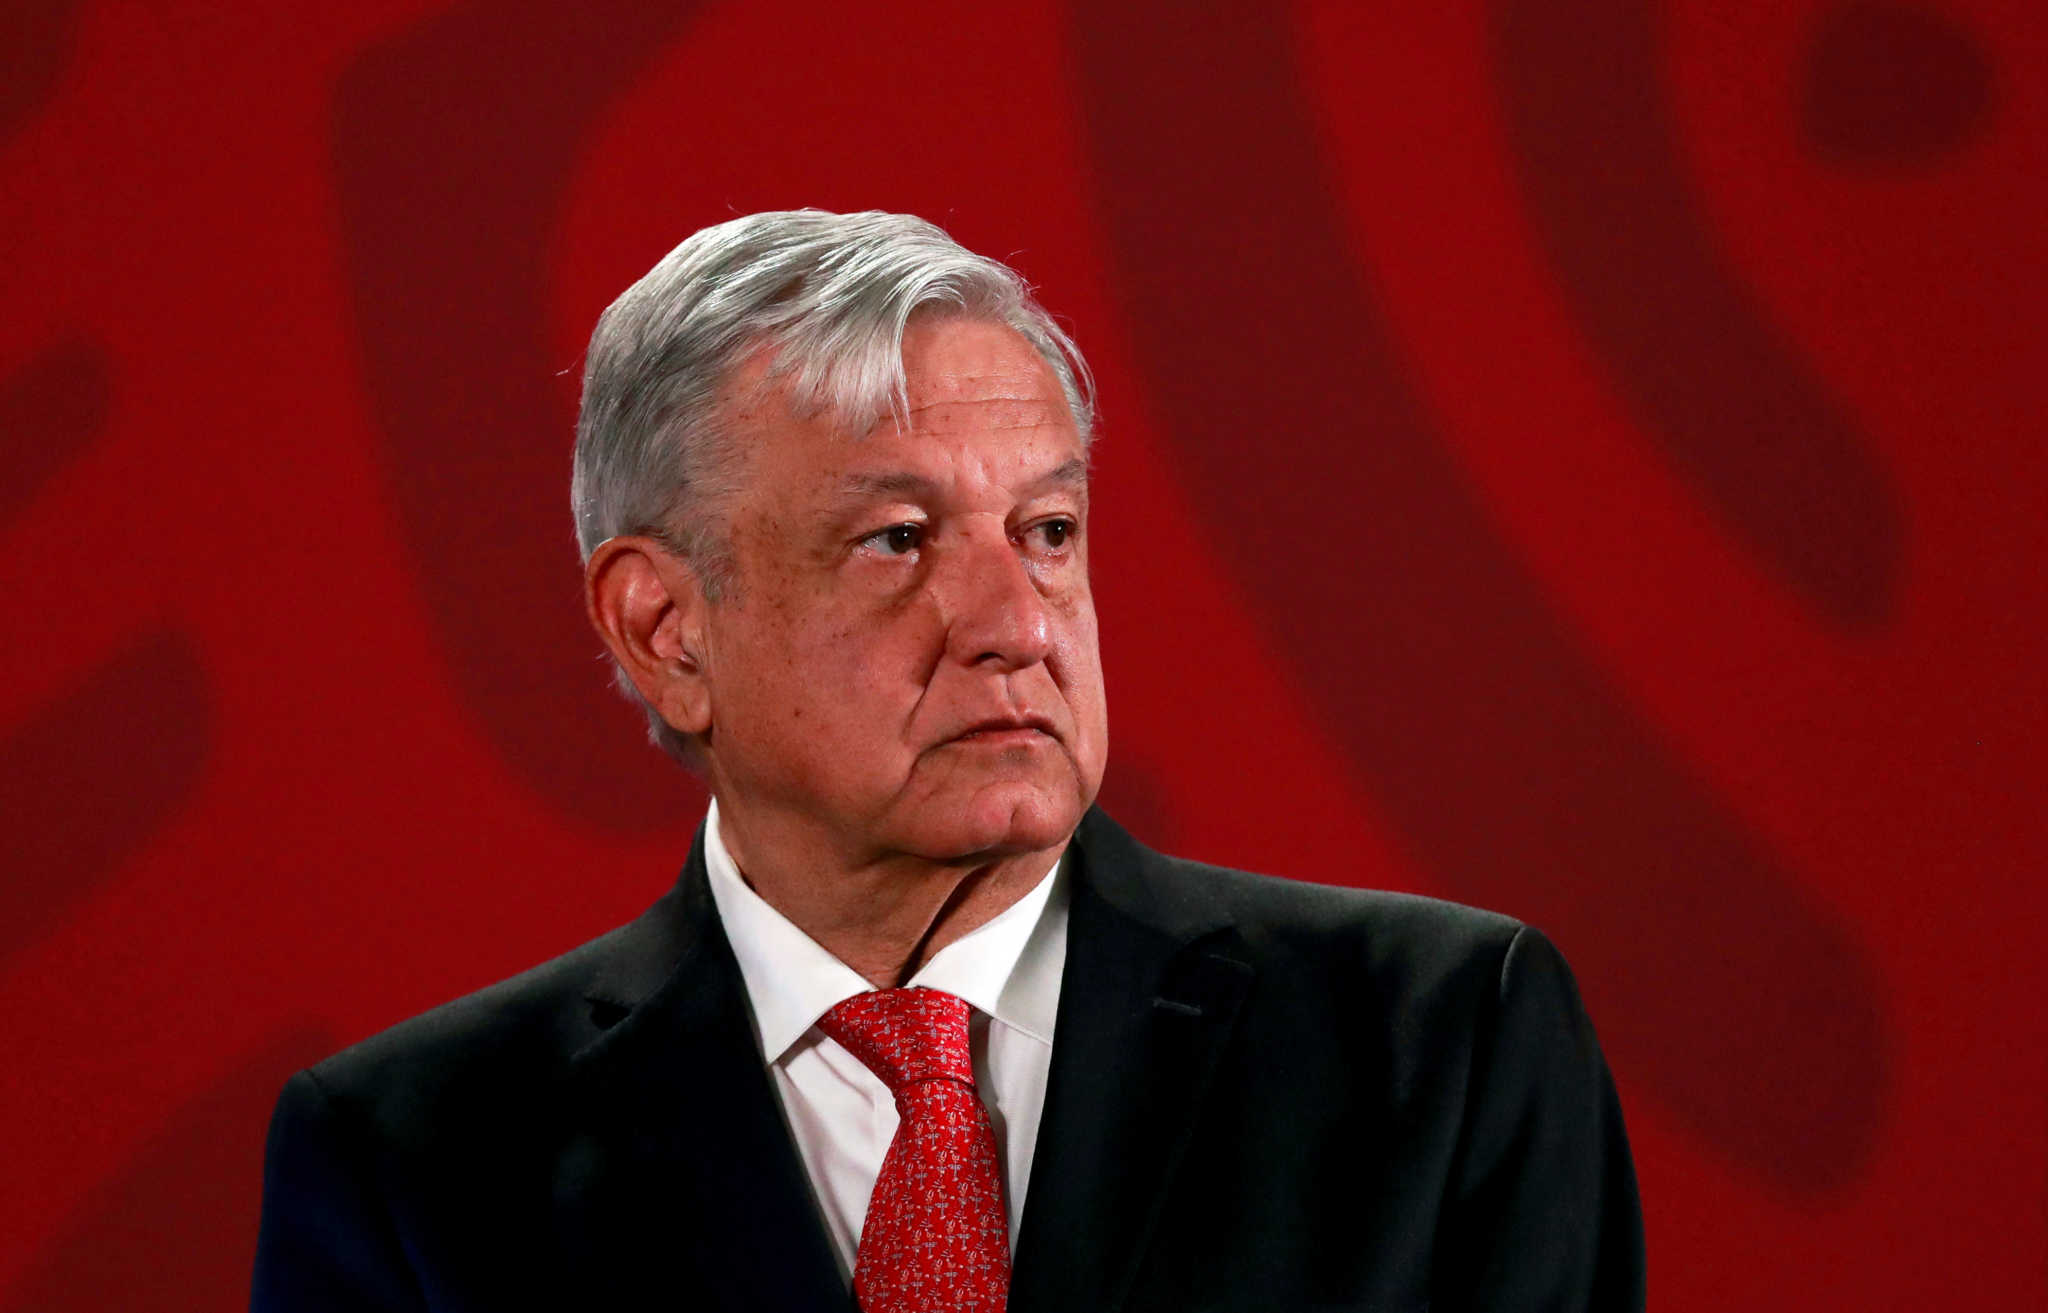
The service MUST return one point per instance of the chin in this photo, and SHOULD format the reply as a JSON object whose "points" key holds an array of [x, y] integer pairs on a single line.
{"points": [[1004, 819]]}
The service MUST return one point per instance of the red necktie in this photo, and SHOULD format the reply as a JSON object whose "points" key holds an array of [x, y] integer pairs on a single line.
{"points": [[936, 1236]]}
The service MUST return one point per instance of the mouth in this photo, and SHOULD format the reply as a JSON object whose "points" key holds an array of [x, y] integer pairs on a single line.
{"points": [[1006, 731]]}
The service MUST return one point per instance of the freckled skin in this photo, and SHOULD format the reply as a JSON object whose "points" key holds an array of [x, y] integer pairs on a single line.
{"points": [[894, 591]]}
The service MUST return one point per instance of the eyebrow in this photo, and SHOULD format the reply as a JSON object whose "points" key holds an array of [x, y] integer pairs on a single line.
{"points": [[1071, 473]]}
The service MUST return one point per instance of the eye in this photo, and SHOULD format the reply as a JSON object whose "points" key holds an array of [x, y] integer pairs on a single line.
{"points": [[1055, 533], [896, 540]]}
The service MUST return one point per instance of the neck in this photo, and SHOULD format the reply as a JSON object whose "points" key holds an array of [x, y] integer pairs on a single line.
{"points": [[885, 915]]}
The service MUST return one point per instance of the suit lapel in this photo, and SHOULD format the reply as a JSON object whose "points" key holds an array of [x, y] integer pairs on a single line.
{"points": [[680, 1174], [1149, 995]]}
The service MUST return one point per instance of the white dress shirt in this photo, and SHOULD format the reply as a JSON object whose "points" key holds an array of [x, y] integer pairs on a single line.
{"points": [[840, 1113]]}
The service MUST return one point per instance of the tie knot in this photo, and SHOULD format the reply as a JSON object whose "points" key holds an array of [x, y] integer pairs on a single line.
{"points": [[905, 1035]]}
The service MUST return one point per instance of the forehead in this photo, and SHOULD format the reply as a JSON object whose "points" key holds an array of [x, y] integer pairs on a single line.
{"points": [[976, 394], [953, 363]]}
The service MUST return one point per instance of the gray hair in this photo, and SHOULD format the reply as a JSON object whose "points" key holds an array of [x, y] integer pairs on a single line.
{"points": [[829, 295]]}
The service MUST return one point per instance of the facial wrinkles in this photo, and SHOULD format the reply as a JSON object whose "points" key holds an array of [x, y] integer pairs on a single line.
{"points": [[835, 682], [998, 414], [949, 595], [965, 544], [984, 440]]}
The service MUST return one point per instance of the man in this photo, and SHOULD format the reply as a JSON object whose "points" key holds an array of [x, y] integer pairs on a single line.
{"points": [[917, 1027]]}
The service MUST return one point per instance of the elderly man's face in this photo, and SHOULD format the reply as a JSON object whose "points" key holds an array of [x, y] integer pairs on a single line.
{"points": [[908, 658]]}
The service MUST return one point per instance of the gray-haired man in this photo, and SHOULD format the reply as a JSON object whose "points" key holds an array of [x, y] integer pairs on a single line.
{"points": [[917, 1027]]}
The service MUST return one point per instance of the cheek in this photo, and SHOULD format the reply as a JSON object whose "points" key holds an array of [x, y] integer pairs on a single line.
{"points": [[837, 680], [1076, 637], [1077, 659]]}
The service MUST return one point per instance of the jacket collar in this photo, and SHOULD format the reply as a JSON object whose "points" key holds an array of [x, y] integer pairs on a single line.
{"points": [[1154, 977], [681, 1175], [680, 1132]]}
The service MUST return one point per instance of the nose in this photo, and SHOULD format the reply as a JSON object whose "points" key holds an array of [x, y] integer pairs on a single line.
{"points": [[994, 612]]}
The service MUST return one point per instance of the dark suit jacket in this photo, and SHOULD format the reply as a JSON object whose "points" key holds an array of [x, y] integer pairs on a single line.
{"points": [[1264, 1095]]}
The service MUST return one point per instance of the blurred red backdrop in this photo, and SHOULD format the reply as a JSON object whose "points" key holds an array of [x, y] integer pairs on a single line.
{"points": [[1580, 459]]}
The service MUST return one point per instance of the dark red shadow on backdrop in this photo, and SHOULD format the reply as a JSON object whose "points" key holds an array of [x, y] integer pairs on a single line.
{"points": [[35, 45], [174, 1230], [431, 129], [1402, 651], [72, 749]]}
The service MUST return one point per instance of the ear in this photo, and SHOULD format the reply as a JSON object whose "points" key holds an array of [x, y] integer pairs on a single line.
{"points": [[649, 607]]}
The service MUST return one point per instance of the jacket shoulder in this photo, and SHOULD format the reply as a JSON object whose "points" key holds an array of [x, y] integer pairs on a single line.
{"points": [[1370, 927], [509, 1040], [1398, 945], [1280, 904]]}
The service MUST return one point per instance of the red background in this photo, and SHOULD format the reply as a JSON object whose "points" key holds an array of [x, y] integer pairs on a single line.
{"points": [[1583, 459]]}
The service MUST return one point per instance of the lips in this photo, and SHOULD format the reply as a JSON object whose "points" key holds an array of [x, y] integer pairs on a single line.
{"points": [[1004, 725]]}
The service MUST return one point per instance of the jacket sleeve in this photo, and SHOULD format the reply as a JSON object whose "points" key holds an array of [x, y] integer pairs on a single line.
{"points": [[1542, 1212], [326, 1242]]}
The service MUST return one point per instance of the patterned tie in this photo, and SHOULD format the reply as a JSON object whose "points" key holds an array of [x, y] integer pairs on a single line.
{"points": [[936, 1237]]}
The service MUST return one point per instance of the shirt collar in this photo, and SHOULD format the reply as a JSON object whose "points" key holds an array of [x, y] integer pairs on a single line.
{"points": [[1008, 967]]}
